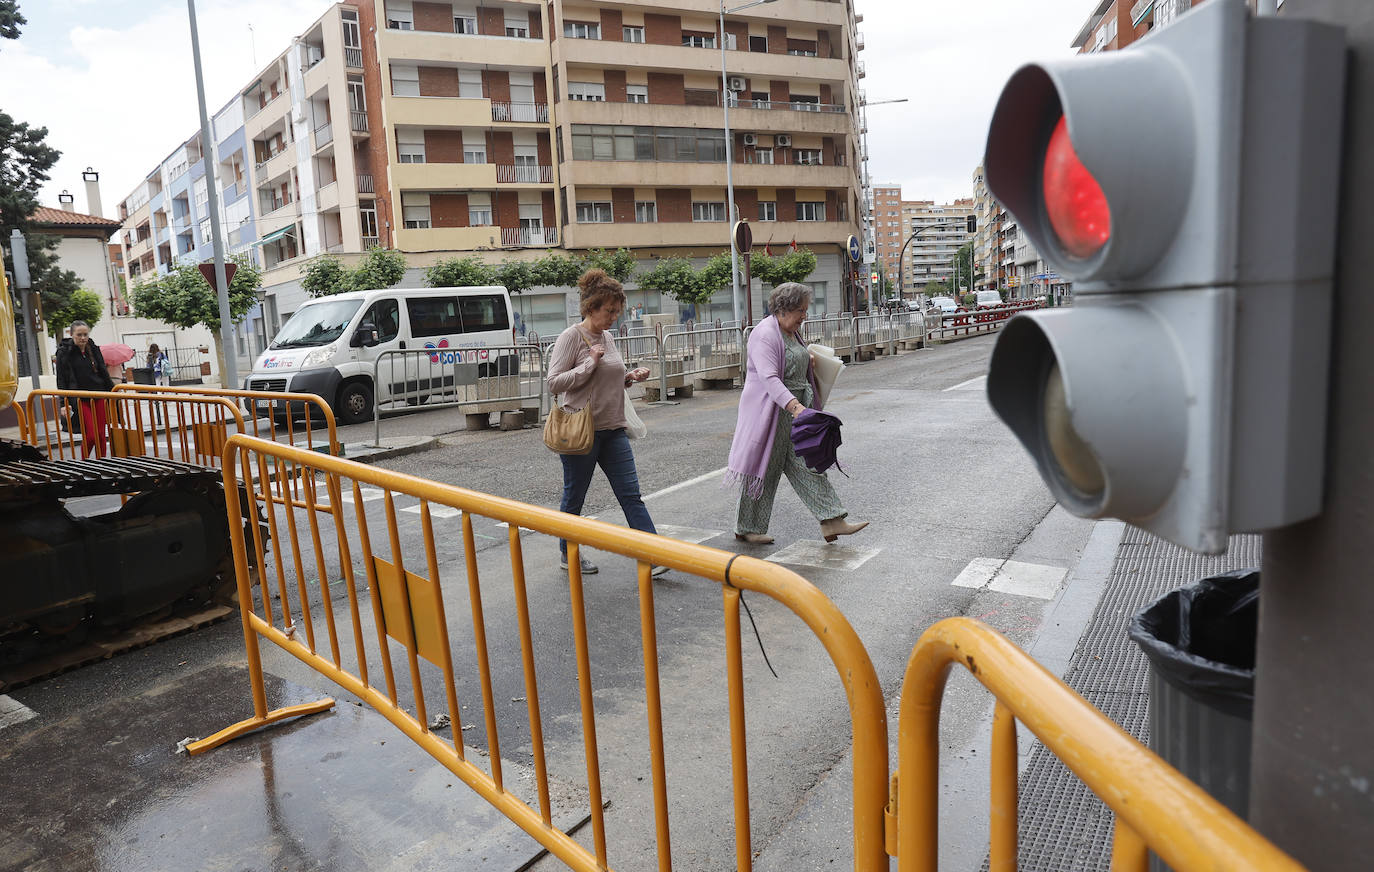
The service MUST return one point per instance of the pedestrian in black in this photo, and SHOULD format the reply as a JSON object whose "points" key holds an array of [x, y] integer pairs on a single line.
{"points": [[81, 367]]}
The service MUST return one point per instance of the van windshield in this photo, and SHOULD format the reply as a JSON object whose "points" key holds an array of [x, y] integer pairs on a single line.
{"points": [[316, 324]]}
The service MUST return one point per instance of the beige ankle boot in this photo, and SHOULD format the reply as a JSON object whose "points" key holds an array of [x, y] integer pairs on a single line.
{"points": [[834, 528], [755, 538]]}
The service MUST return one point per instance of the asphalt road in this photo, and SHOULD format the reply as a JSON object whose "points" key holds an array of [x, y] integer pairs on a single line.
{"points": [[942, 482]]}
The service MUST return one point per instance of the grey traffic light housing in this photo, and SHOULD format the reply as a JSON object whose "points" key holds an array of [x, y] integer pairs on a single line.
{"points": [[1185, 389]]}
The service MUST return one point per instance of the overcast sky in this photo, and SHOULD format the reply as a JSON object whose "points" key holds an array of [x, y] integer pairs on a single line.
{"points": [[112, 79]]}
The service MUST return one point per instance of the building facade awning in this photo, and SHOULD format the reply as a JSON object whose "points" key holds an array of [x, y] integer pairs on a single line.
{"points": [[275, 235]]}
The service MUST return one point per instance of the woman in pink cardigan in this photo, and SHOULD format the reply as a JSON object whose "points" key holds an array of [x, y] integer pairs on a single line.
{"points": [[779, 384]]}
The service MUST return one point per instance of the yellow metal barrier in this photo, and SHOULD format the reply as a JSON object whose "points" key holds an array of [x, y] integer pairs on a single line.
{"points": [[186, 428], [251, 400], [23, 419], [1156, 807], [407, 607]]}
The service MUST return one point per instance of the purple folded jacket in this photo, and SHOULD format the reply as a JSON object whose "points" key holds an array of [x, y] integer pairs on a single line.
{"points": [[816, 439]]}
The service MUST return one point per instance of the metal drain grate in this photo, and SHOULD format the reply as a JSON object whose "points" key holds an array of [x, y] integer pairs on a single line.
{"points": [[1063, 826]]}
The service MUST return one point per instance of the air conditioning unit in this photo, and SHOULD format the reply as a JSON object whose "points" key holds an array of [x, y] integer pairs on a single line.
{"points": [[736, 83], [783, 140], [751, 139]]}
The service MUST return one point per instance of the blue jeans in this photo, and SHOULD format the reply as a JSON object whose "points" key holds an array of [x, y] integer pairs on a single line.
{"points": [[610, 449]]}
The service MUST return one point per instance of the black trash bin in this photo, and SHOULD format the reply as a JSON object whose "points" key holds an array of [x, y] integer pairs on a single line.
{"points": [[1200, 641], [143, 375]]}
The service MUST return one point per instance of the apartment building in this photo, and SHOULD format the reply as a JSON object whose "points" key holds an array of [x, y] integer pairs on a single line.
{"points": [[1115, 24], [887, 232], [512, 128], [944, 230]]}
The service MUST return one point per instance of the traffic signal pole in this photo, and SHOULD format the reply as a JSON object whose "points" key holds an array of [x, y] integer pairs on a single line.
{"points": [[1312, 779]]}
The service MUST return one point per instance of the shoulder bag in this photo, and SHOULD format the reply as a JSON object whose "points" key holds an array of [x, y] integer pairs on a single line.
{"points": [[570, 432]]}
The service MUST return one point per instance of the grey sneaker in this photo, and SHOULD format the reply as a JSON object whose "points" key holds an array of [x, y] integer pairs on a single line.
{"points": [[657, 571], [588, 567]]}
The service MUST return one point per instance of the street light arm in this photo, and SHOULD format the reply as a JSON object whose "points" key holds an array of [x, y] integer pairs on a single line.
{"points": [[901, 258]]}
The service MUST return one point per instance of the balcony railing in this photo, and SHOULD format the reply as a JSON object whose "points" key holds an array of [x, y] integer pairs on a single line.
{"points": [[534, 112], [370, 242], [353, 58], [797, 106], [529, 236], [357, 121], [365, 184], [324, 134], [863, 71], [538, 175]]}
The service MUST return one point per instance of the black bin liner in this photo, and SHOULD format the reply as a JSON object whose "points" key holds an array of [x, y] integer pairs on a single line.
{"points": [[1201, 639], [143, 375]]}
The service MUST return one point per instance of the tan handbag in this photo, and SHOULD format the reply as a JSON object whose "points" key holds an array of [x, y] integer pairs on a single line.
{"points": [[570, 433]]}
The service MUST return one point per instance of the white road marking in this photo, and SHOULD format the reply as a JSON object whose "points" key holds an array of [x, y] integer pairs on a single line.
{"points": [[971, 384], [685, 484], [435, 511], [687, 534], [823, 555], [1034, 580], [369, 495], [12, 712]]}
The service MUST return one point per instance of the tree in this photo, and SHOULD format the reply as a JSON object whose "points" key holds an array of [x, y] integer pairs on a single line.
{"points": [[459, 272], [84, 305], [619, 264], [794, 266], [516, 276], [10, 19], [184, 299], [558, 271], [675, 277], [380, 268]]}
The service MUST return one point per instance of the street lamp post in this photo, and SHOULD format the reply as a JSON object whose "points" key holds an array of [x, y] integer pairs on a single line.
{"points": [[901, 258], [730, 155]]}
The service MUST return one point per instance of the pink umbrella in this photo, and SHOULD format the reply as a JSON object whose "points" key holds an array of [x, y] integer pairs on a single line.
{"points": [[116, 353]]}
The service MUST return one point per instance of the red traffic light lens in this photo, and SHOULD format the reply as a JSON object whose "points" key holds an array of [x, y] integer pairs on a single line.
{"points": [[1076, 205]]}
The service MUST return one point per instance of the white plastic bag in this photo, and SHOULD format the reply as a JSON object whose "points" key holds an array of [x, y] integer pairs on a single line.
{"points": [[634, 427], [827, 367]]}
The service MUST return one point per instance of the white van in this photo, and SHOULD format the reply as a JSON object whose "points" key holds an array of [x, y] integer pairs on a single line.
{"points": [[330, 345]]}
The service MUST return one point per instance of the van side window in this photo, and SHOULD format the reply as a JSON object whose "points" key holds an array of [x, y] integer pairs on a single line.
{"points": [[483, 313], [385, 315], [433, 316]]}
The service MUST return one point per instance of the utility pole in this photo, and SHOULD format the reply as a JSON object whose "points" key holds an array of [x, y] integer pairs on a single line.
{"points": [[1312, 778], [23, 295]]}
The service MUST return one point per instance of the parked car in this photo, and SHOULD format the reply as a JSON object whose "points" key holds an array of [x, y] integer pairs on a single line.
{"points": [[946, 305], [987, 299]]}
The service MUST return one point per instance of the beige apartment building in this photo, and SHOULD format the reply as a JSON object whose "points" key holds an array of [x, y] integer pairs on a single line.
{"points": [[944, 229], [510, 129], [887, 229]]}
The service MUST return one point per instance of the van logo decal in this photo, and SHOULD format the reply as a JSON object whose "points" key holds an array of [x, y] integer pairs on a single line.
{"points": [[455, 356]]}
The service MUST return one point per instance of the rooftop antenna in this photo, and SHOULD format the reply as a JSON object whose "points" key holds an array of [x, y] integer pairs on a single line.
{"points": [[253, 41]]}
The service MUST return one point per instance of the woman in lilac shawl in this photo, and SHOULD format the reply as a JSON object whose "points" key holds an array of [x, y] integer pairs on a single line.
{"points": [[779, 383]]}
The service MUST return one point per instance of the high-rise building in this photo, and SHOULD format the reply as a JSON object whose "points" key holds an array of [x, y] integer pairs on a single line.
{"points": [[1115, 24], [506, 130], [943, 231], [887, 229]]}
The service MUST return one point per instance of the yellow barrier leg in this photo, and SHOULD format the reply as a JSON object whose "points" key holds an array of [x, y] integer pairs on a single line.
{"points": [[243, 728]]}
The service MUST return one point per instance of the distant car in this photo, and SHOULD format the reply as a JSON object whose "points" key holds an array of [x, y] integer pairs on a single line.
{"points": [[987, 299], [946, 305]]}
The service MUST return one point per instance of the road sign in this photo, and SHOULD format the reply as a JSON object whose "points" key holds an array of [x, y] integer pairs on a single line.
{"points": [[208, 270], [856, 251], [1185, 389], [743, 236]]}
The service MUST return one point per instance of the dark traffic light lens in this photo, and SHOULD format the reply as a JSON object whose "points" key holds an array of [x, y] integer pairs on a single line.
{"points": [[1076, 205], [1071, 454]]}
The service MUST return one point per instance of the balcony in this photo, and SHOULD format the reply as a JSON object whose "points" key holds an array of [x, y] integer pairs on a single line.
{"points": [[327, 197], [434, 112], [275, 165], [508, 52], [524, 175], [518, 236], [357, 122], [704, 233], [535, 113], [443, 177], [353, 58], [860, 70], [371, 242], [446, 238], [365, 185], [743, 117], [324, 134], [671, 174], [763, 65]]}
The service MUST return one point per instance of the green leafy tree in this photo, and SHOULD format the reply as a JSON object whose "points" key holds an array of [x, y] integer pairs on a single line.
{"points": [[10, 19], [675, 277], [459, 272], [619, 264], [325, 275], [516, 276], [794, 266], [184, 299], [83, 305], [558, 271], [380, 268]]}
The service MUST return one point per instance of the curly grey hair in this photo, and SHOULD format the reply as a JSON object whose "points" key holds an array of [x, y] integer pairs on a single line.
{"points": [[789, 297]]}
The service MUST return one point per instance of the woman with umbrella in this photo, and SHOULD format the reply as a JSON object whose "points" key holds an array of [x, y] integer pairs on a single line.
{"points": [[81, 367], [780, 384]]}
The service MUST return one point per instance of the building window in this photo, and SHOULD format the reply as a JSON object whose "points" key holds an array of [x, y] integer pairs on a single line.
{"points": [[518, 27], [708, 211], [405, 82], [470, 84], [803, 103], [758, 43], [399, 15], [636, 93], [202, 190], [810, 211], [591, 91], [594, 213], [410, 146], [205, 231], [479, 209], [581, 30], [415, 211], [351, 34], [464, 21], [646, 212], [762, 156], [768, 210], [624, 142], [632, 34], [810, 157], [730, 42], [367, 219], [699, 40]]}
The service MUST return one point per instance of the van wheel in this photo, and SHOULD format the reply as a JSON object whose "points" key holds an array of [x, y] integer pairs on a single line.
{"points": [[355, 403]]}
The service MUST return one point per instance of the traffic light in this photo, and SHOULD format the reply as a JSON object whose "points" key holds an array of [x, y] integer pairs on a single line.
{"points": [[972, 224], [1187, 186]]}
